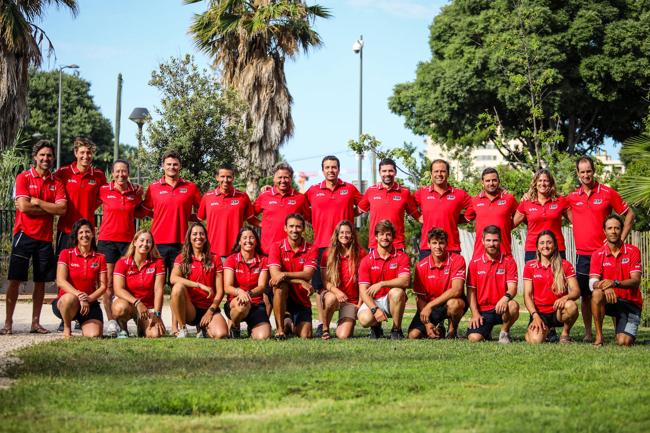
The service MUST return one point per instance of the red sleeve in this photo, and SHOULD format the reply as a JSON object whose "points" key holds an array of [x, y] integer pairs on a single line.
{"points": [[22, 187], [514, 205], [511, 271], [306, 208], [160, 265], [619, 206], [59, 191], [264, 264], [102, 264], [230, 262], [364, 203], [635, 261], [416, 197], [467, 205], [412, 206], [102, 178], [178, 260], [64, 257], [257, 206], [364, 271], [471, 275], [569, 271], [357, 196], [311, 260], [457, 270], [218, 264], [522, 208], [248, 207], [200, 214], [120, 268], [323, 259], [528, 272], [148, 200], [403, 265], [197, 197], [418, 287], [596, 265], [274, 256]]}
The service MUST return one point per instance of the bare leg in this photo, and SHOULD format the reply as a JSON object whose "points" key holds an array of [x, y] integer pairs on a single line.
{"points": [[68, 305], [397, 301], [280, 294], [568, 316], [122, 312], [178, 303], [586, 317], [510, 316], [37, 304], [12, 297], [331, 305], [455, 312], [261, 332], [92, 329], [107, 298], [218, 328], [598, 309]]}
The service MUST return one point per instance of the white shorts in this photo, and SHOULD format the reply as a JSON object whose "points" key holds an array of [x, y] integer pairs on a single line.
{"points": [[382, 304]]}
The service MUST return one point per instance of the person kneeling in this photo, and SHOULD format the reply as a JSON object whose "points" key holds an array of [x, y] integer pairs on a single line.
{"points": [[491, 287], [439, 287], [138, 281], [245, 276], [384, 274], [81, 278], [550, 291], [197, 287]]}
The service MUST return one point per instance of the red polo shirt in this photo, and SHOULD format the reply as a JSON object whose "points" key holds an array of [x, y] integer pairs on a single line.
{"points": [[29, 184], [224, 215], [330, 207], [246, 274], [543, 217], [82, 190], [274, 208], [589, 213], [348, 279], [374, 268], [606, 266], [288, 260], [83, 271], [433, 280], [119, 213], [490, 279], [542, 278], [204, 275], [443, 211], [497, 211], [172, 208], [388, 203], [140, 282]]}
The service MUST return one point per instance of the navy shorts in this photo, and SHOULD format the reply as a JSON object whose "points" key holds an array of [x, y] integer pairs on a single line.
{"points": [[317, 280], [582, 274], [549, 319], [24, 248], [200, 312], [94, 313], [298, 313], [257, 314], [628, 316], [169, 252], [112, 250], [490, 319], [438, 314]]}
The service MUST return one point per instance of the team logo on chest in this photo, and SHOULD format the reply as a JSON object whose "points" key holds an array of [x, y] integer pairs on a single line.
{"points": [[501, 202], [625, 260], [451, 197], [291, 202], [501, 271], [344, 192], [234, 202], [94, 265], [151, 271], [553, 206], [52, 188], [598, 201], [92, 182], [397, 197], [480, 204], [320, 194], [183, 190], [392, 266]]}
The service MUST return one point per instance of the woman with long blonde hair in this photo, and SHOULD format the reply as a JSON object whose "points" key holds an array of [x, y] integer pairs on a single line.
{"points": [[340, 269], [550, 291]]}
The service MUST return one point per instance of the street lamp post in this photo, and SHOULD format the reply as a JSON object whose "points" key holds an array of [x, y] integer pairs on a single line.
{"points": [[58, 125], [357, 47], [139, 115]]}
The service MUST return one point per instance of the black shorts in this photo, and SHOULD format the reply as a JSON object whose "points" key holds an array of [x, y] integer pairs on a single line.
{"points": [[169, 252], [95, 313], [582, 274], [24, 248], [316, 280], [256, 315], [112, 250], [200, 312], [628, 317], [62, 242], [298, 313], [490, 319], [549, 319], [532, 255], [438, 314]]}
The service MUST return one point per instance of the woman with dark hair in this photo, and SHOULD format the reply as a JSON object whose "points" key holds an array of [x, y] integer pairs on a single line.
{"points": [[197, 291], [81, 278], [340, 270], [542, 208], [138, 281], [550, 291], [245, 277]]}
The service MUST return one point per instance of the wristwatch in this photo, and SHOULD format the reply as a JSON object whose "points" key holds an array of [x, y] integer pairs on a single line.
{"points": [[214, 310], [373, 310], [617, 283], [157, 314], [509, 296]]}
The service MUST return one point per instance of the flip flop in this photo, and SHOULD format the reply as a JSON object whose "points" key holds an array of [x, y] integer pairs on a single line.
{"points": [[326, 335], [39, 330], [6, 331]]}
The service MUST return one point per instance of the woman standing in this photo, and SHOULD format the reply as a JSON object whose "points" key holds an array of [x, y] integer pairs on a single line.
{"points": [[138, 281], [550, 291], [197, 291], [81, 278]]}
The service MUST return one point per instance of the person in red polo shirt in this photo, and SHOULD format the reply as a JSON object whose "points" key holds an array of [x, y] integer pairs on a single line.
{"points": [[615, 277], [224, 211], [440, 287], [171, 200], [542, 209], [246, 275], [550, 291], [384, 275], [292, 263], [589, 205], [81, 279], [340, 268], [38, 197], [491, 287], [197, 289], [493, 206], [82, 182], [442, 206], [331, 202], [139, 281]]}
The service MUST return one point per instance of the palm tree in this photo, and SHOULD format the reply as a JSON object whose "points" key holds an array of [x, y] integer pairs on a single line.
{"points": [[636, 188], [20, 49], [249, 41]]}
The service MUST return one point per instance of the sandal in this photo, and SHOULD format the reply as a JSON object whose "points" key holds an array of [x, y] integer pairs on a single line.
{"points": [[565, 339], [39, 330], [6, 331], [326, 335]]}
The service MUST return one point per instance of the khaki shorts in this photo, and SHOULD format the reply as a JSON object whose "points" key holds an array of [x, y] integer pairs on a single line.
{"points": [[347, 310]]}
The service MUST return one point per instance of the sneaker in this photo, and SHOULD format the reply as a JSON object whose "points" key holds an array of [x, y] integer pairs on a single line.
{"points": [[281, 337], [235, 332], [376, 332], [61, 327], [319, 331], [182, 333], [123, 334], [504, 338], [200, 333], [552, 336], [396, 334], [77, 325], [112, 329]]}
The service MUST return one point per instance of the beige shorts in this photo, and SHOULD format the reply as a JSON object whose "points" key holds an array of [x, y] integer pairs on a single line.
{"points": [[347, 311], [382, 304]]}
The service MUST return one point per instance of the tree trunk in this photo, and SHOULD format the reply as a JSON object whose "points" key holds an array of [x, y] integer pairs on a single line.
{"points": [[13, 97], [253, 187]]}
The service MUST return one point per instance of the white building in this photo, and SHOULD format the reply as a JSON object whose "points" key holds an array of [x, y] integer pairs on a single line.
{"points": [[610, 165]]}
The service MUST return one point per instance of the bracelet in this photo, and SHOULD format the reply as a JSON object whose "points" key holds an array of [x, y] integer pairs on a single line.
{"points": [[157, 314], [532, 314], [137, 301]]}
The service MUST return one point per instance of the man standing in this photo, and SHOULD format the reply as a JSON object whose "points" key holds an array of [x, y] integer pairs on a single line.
{"points": [[388, 200], [38, 197], [225, 209], [590, 204], [493, 206], [384, 275], [440, 288], [615, 277], [292, 263], [81, 181], [170, 200], [442, 206], [491, 288]]}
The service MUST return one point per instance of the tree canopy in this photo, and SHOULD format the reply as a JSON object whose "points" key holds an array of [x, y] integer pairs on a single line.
{"points": [[550, 75]]}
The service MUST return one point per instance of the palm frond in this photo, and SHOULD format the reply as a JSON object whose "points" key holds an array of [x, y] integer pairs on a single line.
{"points": [[636, 190], [636, 148]]}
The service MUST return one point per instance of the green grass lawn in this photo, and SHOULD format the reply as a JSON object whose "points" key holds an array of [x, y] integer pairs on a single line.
{"points": [[335, 386]]}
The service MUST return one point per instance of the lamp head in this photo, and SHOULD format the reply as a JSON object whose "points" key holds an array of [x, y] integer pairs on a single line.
{"points": [[357, 46], [139, 115]]}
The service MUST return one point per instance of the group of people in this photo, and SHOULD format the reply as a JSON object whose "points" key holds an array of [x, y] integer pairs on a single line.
{"points": [[207, 247]]}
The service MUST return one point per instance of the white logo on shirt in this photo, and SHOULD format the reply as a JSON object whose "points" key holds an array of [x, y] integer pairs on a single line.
{"points": [[392, 266], [553, 206], [182, 190], [291, 202], [397, 197], [598, 201], [451, 197], [501, 202], [344, 191], [234, 202], [72, 180], [91, 182], [625, 260]]}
